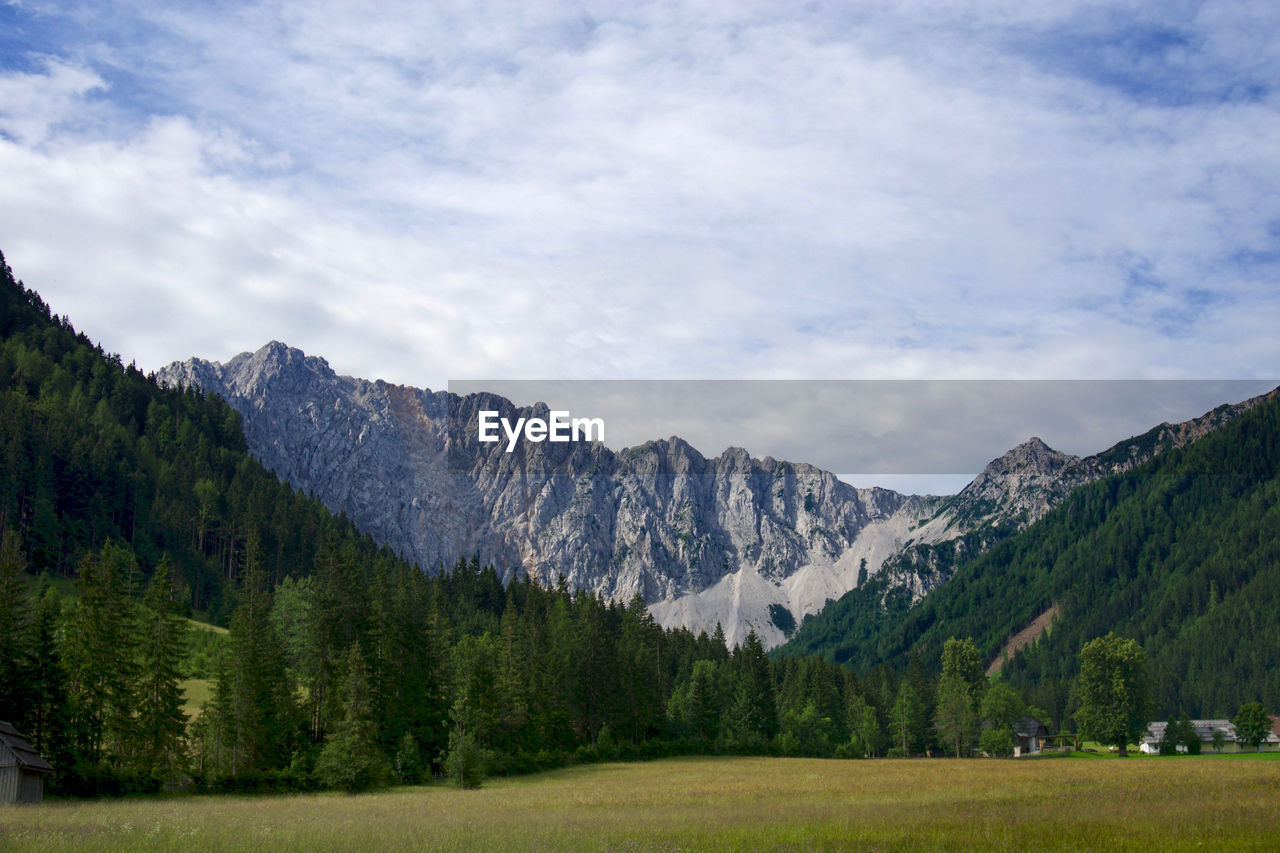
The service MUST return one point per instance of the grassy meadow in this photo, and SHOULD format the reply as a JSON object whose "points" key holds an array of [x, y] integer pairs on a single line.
{"points": [[718, 803]]}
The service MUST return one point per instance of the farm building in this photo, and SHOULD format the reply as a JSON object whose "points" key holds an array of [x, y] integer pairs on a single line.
{"points": [[1029, 736], [22, 770], [1204, 731]]}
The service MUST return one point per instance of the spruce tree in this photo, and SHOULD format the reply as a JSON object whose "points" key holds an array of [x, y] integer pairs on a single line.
{"points": [[100, 654], [754, 716], [350, 759], [161, 721], [48, 720], [15, 632], [253, 698], [512, 682]]}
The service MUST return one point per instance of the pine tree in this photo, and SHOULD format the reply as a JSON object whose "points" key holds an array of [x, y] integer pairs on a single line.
{"points": [[754, 716], [350, 758], [161, 721], [256, 715], [100, 654], [15, 632]]}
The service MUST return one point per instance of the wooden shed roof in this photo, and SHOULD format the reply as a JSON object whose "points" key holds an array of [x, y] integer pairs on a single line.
{"points": [[1029, 727], [26, 754]]}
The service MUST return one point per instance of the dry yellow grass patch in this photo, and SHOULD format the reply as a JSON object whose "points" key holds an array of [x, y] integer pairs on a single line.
{"points": [[719, 803]]}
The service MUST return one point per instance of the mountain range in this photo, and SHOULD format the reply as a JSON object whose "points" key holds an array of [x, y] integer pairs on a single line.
{"points": [[746, 543], [1180, 553]]}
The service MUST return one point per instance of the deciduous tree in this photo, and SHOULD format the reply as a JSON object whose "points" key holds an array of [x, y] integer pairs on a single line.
{"points": [[1115, 691], [1252, 724]]}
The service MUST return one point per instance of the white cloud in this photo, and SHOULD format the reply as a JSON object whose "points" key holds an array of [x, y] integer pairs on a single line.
{"points": [[33, 104], [651, 190]]}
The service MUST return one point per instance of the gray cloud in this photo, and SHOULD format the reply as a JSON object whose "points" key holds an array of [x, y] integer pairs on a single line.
{"points": [[932, 435], [654, 190]]}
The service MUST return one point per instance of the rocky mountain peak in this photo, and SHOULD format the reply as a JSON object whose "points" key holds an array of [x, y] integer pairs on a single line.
{"points": [[703, 540], [1022, 482]]}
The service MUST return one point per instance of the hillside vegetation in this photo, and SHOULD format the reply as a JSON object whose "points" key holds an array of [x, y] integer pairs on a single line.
{"points": [[1181, 553], [344, 666], [96, 451]]}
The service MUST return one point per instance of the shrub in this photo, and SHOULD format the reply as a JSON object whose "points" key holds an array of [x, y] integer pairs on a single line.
{"points": [[408, 761], [996, 741]]}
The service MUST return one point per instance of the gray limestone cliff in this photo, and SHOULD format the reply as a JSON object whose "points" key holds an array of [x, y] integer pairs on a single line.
{"points": [[659, 520], [753, 544]]}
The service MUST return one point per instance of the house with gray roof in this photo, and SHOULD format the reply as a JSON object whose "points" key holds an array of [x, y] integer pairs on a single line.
{"points": [[1204, 731]]}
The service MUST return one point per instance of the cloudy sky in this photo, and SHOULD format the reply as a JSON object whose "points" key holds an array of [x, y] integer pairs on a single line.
{"points": [[667, 190]]}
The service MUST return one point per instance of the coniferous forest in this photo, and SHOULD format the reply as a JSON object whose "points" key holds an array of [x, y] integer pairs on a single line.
{"points": [[128, 507], [1181, 554], [129, 510]]}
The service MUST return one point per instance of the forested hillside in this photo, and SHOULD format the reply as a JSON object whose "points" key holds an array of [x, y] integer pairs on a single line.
{"points": [[96, 451], [1182, 554], [345, 666]]}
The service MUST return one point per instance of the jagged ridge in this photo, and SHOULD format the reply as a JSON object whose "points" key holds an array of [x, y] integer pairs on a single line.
{"points": [[703, 540]]}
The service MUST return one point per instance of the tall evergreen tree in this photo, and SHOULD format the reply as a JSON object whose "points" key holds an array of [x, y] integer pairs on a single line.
{"points": [[351, 759], [48, 719], [15, 631], [753, 718], [639, 672], [256, 714], [512, 682], [594, 665], [101, 654], [697, 702], [161, 721]]}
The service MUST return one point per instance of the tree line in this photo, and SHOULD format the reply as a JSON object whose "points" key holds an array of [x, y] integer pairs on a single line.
{"points": [[364, 673]]}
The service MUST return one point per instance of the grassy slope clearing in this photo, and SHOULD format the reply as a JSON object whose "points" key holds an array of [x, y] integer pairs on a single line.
{"points": [[719, 803]]}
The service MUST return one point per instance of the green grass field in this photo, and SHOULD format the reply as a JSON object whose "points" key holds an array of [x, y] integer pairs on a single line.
{"points": [[195, 692], [1205, 803]]}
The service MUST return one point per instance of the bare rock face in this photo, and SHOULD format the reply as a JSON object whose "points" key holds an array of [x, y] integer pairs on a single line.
{"points": [[659, 520], [752, 544]]}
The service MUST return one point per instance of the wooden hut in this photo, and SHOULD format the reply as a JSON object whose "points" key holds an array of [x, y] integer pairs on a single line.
{"points": [[22, 770], [1029, 735]]}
